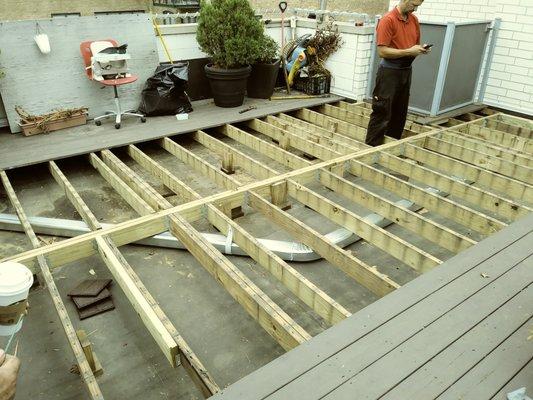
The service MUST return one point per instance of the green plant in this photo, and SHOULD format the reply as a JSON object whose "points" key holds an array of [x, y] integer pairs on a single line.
{"points": [[268, 49], [229, 32]]}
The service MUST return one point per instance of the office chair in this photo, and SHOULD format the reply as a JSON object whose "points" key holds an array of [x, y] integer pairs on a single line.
{"points": [[88, 50]]}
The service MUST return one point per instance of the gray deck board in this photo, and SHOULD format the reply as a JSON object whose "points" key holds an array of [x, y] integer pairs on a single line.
{"points": [[512, 356], [438, 285], [524, 378], [17, 150]]}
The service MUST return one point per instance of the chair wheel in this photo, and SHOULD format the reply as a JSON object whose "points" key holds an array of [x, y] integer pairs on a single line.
{"points": [[117, 126], [143, 120], [98, 123]]}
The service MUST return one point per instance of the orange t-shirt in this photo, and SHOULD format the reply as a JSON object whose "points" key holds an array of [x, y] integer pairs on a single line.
{"points": [[393, 31]]}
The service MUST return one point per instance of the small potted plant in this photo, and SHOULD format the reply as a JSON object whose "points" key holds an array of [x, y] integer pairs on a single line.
{"points": [[231, 35], [264, 74]]}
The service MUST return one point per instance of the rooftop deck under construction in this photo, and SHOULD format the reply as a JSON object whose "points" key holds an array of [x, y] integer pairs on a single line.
{"points": [[430, 234]]}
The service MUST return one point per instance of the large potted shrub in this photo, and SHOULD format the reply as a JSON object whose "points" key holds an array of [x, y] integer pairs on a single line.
{"points": [[231, 35], [265, 70]]}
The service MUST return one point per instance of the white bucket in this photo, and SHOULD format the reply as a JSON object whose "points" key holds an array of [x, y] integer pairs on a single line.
{"points": [[42, 41], [15, 282]]}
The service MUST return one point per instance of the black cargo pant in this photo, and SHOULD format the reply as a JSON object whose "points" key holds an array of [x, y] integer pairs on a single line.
{"points": [[389, 105]]}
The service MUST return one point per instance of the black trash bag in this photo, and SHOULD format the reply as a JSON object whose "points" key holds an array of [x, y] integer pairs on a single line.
{"points": [[164, 92]]}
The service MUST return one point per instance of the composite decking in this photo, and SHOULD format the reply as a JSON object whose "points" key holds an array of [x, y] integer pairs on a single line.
{"points": [[458, 332], [18, 151]]}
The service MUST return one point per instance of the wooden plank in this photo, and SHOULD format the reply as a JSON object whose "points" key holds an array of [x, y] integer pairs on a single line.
{"points": [[387, 370], [364, 274], [499, 138], [298, 125], [82, 302], [269, 315], [306, 291], [516, 190], [89, 287], [489, 162], [82, 246], [416, 223], [378, 283], [457, 212], [134, 200], [522, 379], [352, 131], [397, 247], [440, 281], [295, 141], [475, 144], [494, 203], [83, 366], [494, 370], [96, 308]]}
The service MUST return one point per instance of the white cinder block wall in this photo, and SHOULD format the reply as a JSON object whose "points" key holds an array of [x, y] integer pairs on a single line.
{"points": [[510, 83]]}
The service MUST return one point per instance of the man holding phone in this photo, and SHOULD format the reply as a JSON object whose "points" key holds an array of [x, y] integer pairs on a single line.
{"points": [[398, 41]]}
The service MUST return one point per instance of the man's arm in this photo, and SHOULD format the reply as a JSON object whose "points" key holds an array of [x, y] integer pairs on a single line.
{"points": [[9, 368], [390, 52]]}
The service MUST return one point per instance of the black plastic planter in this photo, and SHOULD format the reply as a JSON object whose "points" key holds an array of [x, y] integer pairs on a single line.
{"points": [[228, 85], [263, 80]]}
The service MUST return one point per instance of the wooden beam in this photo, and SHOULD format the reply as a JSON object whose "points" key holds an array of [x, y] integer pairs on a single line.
{"points": [[139, 228], [496, 137], [416, 223], [489, 162], [457, 212], [134, 200], [344, 128], [494, 150], [474, 195], [297, 142], [269, 315], [398, 248], [364, 274], [227, 164], [517, 190], [310, 294], [278, 195], [83, 365]]}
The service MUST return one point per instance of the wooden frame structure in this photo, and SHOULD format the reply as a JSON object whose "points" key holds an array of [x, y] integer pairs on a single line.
{"points": [[480, 172]]}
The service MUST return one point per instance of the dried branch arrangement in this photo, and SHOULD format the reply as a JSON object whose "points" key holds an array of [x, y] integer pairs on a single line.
{"points": [[42, 120]]}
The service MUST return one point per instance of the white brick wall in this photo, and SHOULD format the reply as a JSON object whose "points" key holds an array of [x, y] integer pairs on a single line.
{"points": [[510, 83]]}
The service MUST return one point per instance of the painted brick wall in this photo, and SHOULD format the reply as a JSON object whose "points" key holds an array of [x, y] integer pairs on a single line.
{"points": [[41, 82], [510, 83]]}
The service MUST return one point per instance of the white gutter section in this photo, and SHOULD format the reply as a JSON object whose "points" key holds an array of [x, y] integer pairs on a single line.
{"points": [[289, 251]]}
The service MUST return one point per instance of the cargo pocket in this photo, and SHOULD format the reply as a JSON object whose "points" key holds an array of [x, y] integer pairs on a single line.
{"points": [[381, 107]]}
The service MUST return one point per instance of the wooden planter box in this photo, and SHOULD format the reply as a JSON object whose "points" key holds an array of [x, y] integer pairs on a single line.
{"points": [[62, 123]]}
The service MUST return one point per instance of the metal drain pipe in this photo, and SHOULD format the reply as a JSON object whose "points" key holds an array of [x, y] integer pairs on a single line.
{"points": [[287, 250]]}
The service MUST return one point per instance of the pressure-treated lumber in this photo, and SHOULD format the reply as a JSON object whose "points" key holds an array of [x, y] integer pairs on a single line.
{"points": [[139, 228], [352, 266], [415, 222], [492, 163], [474, 195], [500, 138], [310, 294], [482, 146], [373, 234], [519, 191], [457, 212], [269, 315], [83, 365]]}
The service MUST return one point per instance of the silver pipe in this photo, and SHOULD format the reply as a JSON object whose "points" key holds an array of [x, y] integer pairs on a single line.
{"points": [[287, 250]]}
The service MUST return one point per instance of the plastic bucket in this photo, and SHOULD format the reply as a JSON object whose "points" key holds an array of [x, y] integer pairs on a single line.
{"points": [[15, 282]]}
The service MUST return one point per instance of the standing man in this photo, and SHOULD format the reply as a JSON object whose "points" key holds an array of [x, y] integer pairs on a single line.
{"points": [[398, 41]]}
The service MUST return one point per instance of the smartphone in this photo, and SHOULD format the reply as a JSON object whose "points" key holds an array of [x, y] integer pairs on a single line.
{"points": [[427, 46]]}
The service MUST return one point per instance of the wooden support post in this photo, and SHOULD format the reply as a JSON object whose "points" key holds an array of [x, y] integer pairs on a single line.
{"points": [[278, 194], [284, 141], [333, 126], [227, 163], [93, 361], [338, 169], [83, 366]]}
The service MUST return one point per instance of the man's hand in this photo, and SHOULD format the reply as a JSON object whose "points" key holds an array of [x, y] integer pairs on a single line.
{"points": [[9, 368], [416, 50]]}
